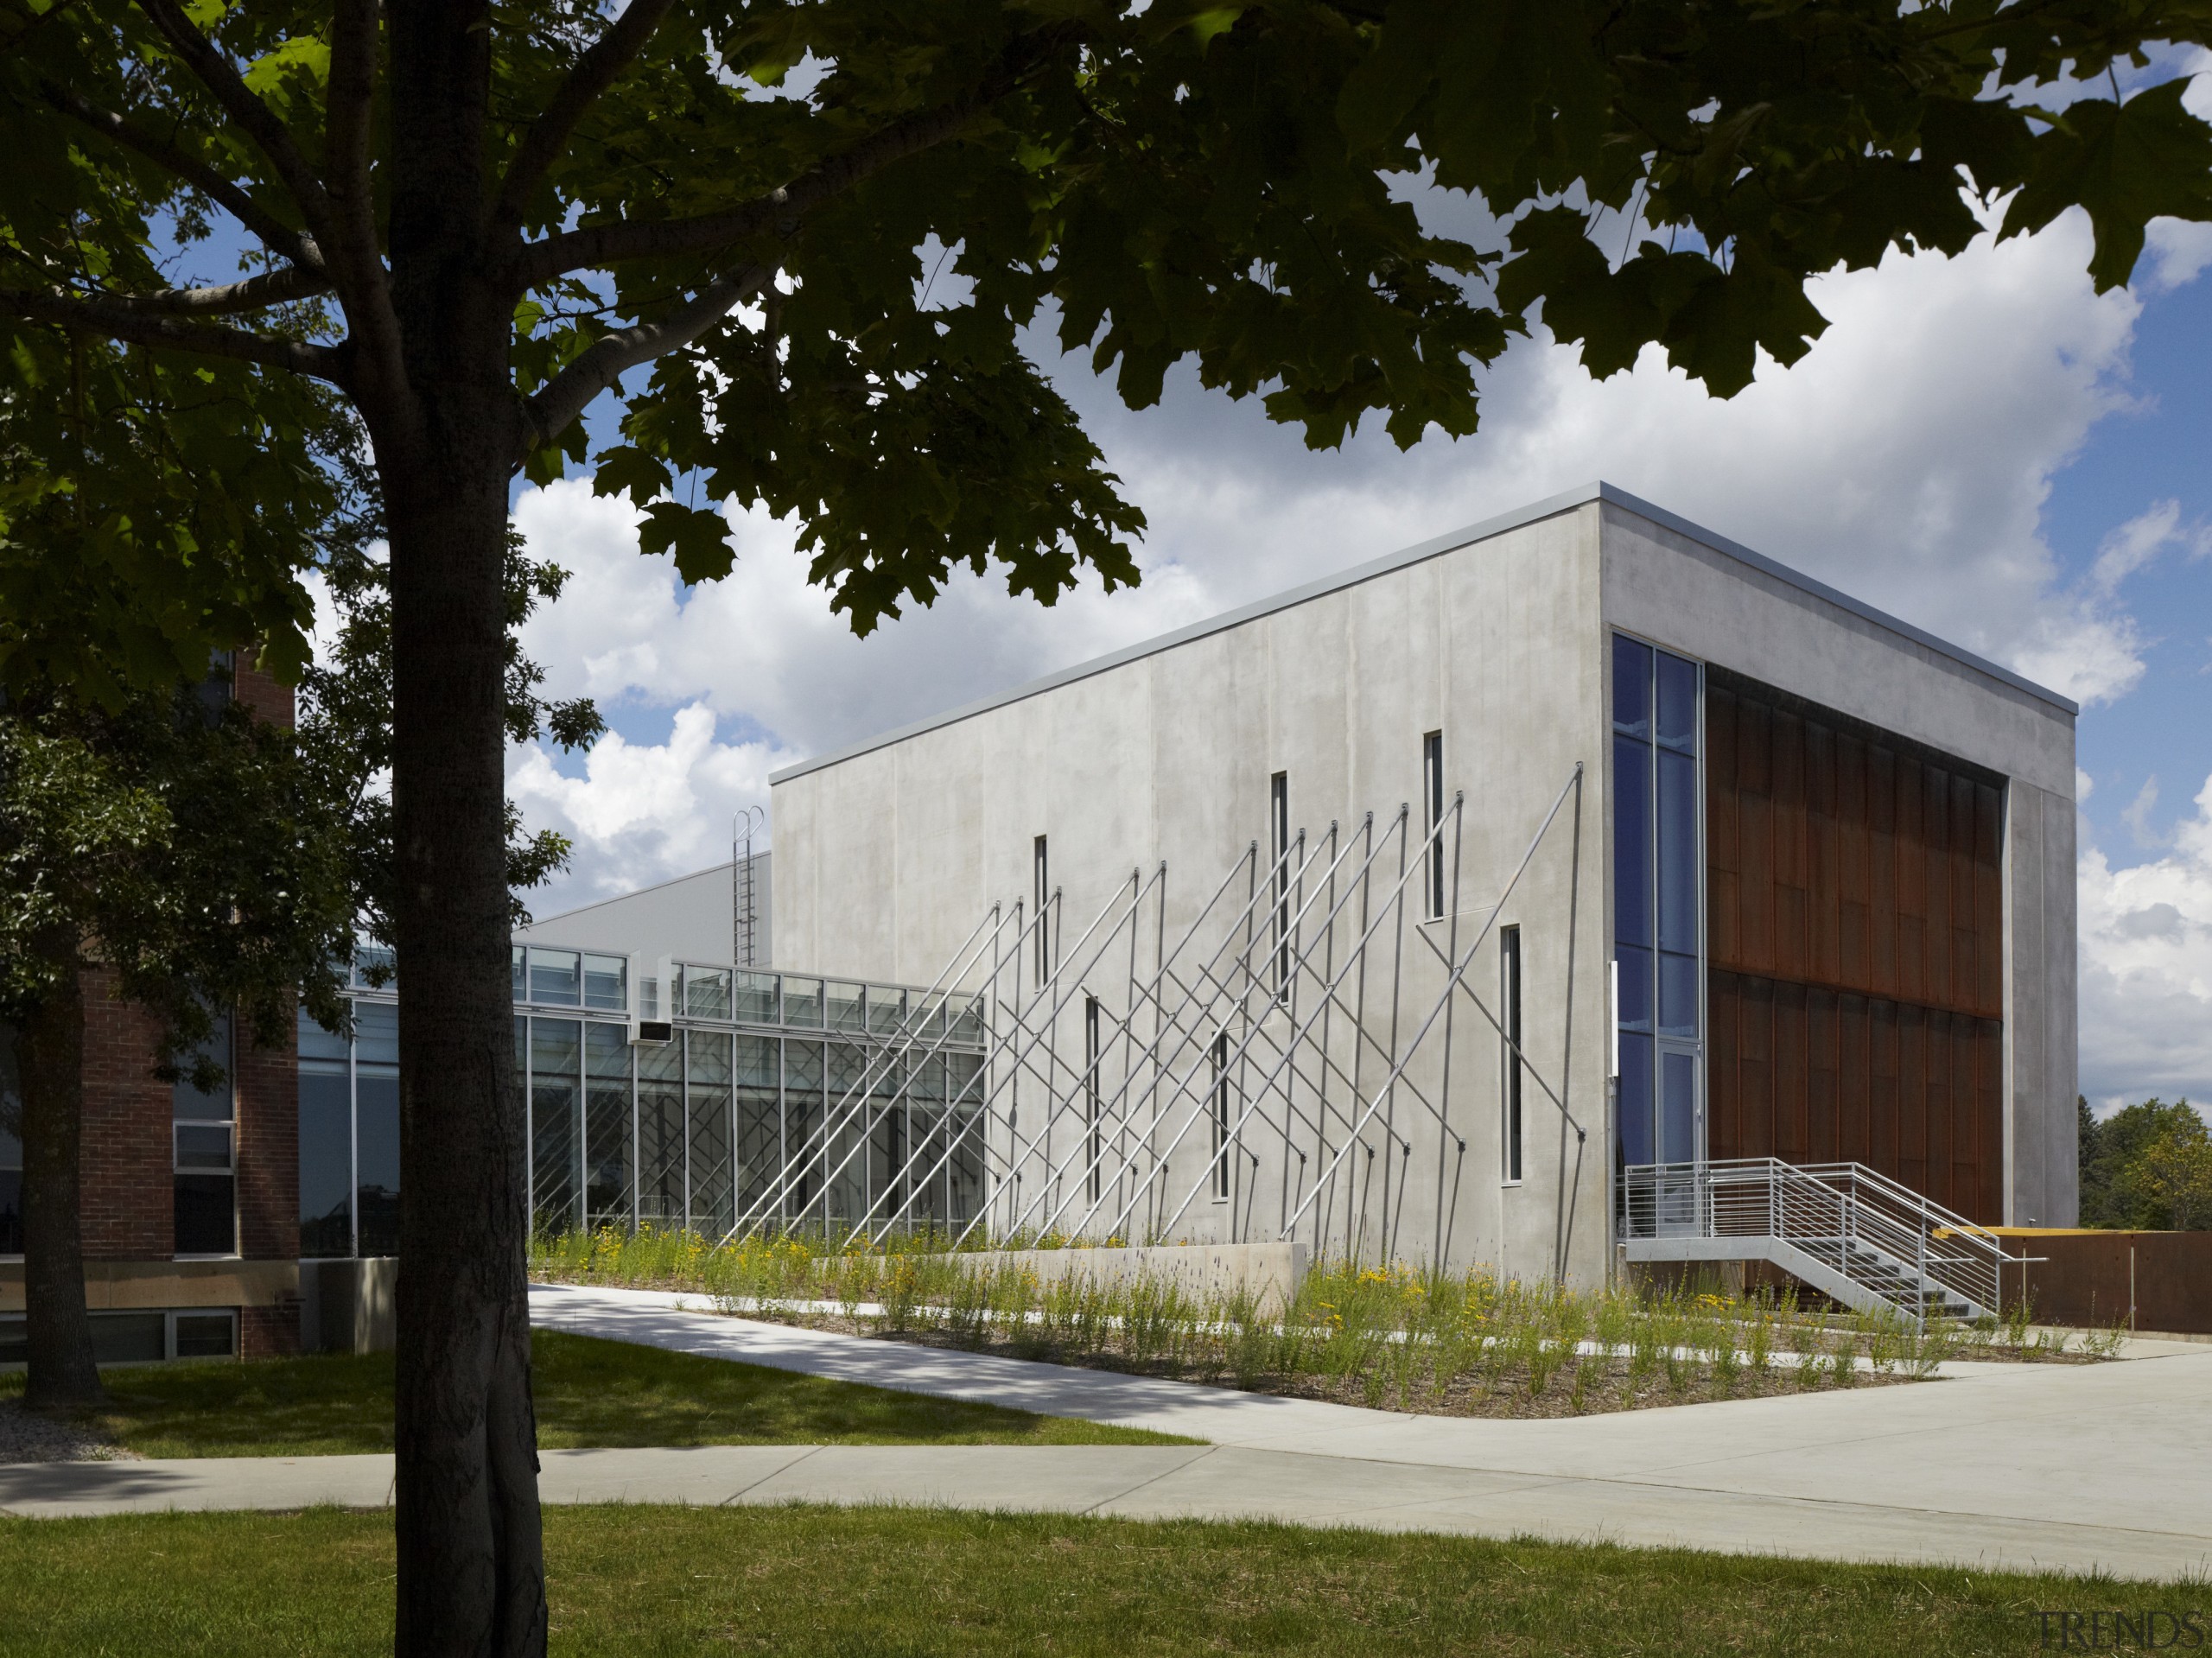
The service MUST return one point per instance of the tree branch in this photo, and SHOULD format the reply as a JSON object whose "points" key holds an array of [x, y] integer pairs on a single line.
{"points": [[597, 245], [598, 68], [569, 392], [273, 233], [253, 293], [117, 319], [221, 76], [347, 142]]}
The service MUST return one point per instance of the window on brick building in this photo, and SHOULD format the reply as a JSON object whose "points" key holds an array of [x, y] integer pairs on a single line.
{"points": [[11, 1148], [205, 1131]]}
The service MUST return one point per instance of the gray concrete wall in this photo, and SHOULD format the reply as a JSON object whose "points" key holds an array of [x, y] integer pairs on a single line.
{"points": [[1700, 600], [2043, 1183], [889, 855], [688, 918], [888, 858]]}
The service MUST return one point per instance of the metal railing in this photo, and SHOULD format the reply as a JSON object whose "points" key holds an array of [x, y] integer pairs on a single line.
{"points": [[1885, 1237]]}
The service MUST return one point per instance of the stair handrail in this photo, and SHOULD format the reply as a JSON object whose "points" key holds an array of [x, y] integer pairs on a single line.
{"points": [[1844, 1205]]}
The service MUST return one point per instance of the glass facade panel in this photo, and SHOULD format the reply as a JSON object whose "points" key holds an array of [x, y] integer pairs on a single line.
{"points": [[1659, 898], [804, 1069], [660, 1134], [555, 1087], [760, 999], [1632, 873], [375, 966], [1631, 686], [707, 1091], [1678, 871], [802, 1003], [1636, 1097], [607, 983], [607, 1125], [706, 992], [556, 977], [376, 1129], [711, 1129], [886, 1009], [1677, 1107]]}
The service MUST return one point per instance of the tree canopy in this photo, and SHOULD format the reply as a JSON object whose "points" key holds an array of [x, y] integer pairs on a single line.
{"points": [[2147, 1167], [743, 197]]}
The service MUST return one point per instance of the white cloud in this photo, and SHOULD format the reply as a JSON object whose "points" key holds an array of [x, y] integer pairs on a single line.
{"points": [[641, 812], [1907, 461], [2146, 969]]}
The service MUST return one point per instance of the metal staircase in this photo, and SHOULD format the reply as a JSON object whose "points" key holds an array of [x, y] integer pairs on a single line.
{"points": [[1854, 1235]]}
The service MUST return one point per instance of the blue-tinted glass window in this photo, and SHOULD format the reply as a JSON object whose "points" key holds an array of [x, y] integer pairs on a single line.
{"points": [[376, 1029], [1677, 860], [376, 1186], [556, 1067], [1678, 1107], [1631, 686], [1632, 871], [1677, 725], [1677, 994], [326, 1127], [1633, 967], [1636, 1098]]}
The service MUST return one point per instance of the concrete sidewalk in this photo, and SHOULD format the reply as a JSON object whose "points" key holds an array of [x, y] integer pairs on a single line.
{"points": [[2070, 1468], [1154, 1482], [2080, 1466]]}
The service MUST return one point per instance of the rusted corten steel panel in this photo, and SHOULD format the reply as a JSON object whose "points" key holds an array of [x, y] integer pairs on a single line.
{"points": [[1855, 931], [2150, 1281]]}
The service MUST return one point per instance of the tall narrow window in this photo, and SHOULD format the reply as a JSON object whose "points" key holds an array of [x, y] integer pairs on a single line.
{"points": [[1221, 1116], [1279, 832], [1044, 895], [1509, 999], [1431, 788], [1658, 901], [206, 1130], [1090, 1055]]}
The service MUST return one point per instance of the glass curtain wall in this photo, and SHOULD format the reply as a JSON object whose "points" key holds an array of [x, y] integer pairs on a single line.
{"points": [[1658, 903], [696, 1131]]}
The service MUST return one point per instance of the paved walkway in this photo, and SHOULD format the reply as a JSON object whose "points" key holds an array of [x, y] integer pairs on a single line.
{"points": [[2066, 1467]]}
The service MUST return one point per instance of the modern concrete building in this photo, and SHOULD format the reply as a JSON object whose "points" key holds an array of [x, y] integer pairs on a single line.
{"points": [[717, 914], [1429, 909]]}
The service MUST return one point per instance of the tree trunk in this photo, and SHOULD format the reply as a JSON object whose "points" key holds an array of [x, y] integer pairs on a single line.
{"points": [[472, 1578], [50, 1068]]}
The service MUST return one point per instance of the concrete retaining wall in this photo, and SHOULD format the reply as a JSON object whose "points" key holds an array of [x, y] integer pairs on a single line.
{"points": [[350, 1306]]}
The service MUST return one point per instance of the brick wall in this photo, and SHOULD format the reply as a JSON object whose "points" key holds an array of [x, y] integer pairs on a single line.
{"points": [[127, 1159], [127, 1168], [259, 694], [269, 1151], [269, 1332]]}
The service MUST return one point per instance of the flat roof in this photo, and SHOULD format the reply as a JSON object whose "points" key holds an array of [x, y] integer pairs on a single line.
{"points": [[1565, 501]]}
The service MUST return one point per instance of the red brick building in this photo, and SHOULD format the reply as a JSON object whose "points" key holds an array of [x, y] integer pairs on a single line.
{"points": [[190, 1200]]}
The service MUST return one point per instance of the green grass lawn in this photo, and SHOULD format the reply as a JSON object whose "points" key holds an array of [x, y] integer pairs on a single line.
{"points": [[588, 1393], [902, 1583]]}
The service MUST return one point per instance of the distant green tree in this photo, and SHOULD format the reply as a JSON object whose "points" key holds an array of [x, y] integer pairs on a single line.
{"points": [[2148, 1168]]}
